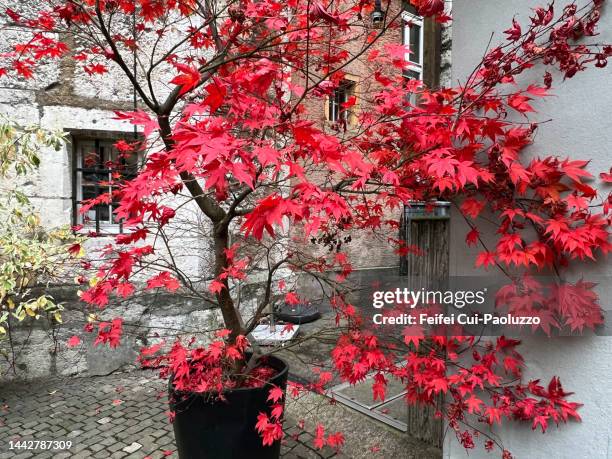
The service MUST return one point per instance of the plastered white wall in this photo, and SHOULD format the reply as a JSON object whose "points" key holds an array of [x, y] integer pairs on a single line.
{"points": [[581, 127]]}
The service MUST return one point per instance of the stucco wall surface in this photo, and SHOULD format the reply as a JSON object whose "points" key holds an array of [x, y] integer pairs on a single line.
{"points": [[580, 128]]}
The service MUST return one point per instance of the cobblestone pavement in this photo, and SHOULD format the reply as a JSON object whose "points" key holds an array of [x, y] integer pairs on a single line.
{"points": [[118, 416]]}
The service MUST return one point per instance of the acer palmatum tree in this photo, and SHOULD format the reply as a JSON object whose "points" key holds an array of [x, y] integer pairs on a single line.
{"points": [[228, 90]]}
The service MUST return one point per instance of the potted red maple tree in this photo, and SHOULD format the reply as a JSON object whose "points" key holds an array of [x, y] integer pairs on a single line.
{"points": [[234, 134]]}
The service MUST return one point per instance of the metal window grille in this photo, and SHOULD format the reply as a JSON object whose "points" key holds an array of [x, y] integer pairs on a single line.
{"points": [[97, 168]]}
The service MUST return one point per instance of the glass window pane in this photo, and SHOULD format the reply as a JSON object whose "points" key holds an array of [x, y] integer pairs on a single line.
{"points": [[415, 43], [129, 161], [89, 158], [338, 99], [104, 213], [412, 74], [90, 192]]}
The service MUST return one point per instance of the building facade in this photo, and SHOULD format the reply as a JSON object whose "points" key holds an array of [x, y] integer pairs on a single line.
{"points": [[83, 106]]}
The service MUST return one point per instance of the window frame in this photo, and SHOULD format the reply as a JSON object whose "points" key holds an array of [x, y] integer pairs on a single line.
{"points": [[350, 114], [409, 19], [78, 137], [335, 112]]}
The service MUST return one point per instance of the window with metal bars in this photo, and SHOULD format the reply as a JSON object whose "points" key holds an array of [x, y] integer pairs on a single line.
{"points": [[98, 167]]}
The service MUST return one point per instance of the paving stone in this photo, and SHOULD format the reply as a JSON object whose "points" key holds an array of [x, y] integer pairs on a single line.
{"points": [[78, 447], [294, 430], [97, 447], [148, 442], [74, 434], [135, 446], [24, 455], [83, 413], [108, 441], [327, 452], [116, 446], [304, 452], [290, 441], [285, 449]]}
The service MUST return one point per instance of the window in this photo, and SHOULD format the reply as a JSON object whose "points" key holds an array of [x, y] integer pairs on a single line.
{"points": [[413, 38], [336, 110], [97, 168], [423, 36]]}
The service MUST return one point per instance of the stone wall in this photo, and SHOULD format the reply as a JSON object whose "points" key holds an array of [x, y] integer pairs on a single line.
{"points": [[63, 97]]}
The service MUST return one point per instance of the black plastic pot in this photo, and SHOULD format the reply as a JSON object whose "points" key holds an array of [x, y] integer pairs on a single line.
{"points": [[297, 313], [218, 429]]}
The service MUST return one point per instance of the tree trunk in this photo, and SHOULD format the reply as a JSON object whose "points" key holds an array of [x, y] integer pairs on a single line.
{"points": [[226, 303], [216, 215]]}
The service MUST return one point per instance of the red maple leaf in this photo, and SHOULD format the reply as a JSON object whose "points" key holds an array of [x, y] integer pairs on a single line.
{"points": [[335, 440], [474, 403], [73, 341], [188, 79], [413, 334], [95, 69], [216, 286], [575, 169], [125, 289], [277, 410], [275, 394], [319, 440], [493, 415], [163, 279], [472, 237], [606, 176], [514, 33], [542, 421], [292, 298], [472, 207], [520, 103], [216, 95], [379, 388], [139, 118], [485, 259], [428, 7]]}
